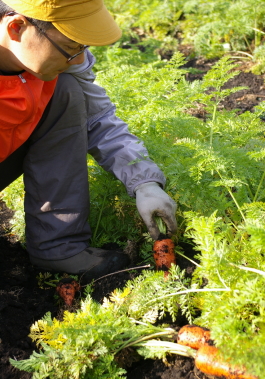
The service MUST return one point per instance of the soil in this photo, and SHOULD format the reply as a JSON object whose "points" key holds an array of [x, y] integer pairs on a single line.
{"points": [[244, 100], [23, 301]]}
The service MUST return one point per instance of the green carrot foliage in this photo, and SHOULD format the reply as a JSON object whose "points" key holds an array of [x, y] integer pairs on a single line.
{"points": [[87, 344], [213, 160]]}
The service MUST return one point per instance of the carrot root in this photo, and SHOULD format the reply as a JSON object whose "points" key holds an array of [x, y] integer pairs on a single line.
{"points": [[194, 336], [164, 254], [209, 362], [67, 289]]}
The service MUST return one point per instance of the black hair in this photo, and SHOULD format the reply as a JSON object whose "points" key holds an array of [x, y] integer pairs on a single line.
{"points": [[44, 25]]}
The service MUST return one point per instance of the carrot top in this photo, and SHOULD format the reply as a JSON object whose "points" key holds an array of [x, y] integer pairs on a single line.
{"points": [[162, 228]]}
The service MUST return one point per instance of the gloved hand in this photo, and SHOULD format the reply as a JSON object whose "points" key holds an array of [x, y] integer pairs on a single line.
{"points": [[152, 201]]}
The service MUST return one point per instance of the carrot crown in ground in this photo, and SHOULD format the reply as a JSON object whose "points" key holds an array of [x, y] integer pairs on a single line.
{"points": [[164, 254]]}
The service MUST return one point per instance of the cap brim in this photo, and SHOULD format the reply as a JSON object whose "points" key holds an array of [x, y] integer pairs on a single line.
{"points": [[98, 29]]}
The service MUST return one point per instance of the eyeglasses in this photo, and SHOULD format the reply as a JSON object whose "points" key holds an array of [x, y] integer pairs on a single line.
{"points": [[62, 51]]}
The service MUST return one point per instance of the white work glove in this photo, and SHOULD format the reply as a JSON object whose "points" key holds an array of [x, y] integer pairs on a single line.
{"points": [[152, 201]]}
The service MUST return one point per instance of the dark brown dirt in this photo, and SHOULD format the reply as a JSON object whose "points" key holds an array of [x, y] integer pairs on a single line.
{"points": [[244, 100], [22, 301]]}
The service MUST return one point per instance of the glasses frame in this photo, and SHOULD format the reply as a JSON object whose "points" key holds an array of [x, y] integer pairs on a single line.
{"points": [[62, 51]]}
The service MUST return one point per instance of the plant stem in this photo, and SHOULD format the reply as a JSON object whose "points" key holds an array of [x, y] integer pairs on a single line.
{"points": [[189, 291], [161, 225], [184, 256], [249, 269], [99, 218], [259, 186], [125, 270], [212, 124], [233, 197], [221, 279], [133, 341], [235, 201], [173, 348], [242, 52], [248, 45]]}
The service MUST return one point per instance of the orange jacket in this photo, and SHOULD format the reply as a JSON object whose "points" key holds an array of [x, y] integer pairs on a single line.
{"points": [[23, 99]]}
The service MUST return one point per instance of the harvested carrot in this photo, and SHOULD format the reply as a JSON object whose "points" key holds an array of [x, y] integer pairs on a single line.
{"points": [[67, 289], [209, 362], [193, 336], [164, 254]]}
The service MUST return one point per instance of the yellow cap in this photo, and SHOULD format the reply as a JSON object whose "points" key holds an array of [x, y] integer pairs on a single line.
{"points": [[87, 22]]}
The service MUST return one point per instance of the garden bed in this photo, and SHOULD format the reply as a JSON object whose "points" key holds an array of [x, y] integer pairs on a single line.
{"points": [[23, 301]]}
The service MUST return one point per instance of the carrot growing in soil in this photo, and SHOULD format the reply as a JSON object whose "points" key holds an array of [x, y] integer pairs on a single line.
{"points": [[67, 289], [163, 249], [194, 336], [164, 254]]}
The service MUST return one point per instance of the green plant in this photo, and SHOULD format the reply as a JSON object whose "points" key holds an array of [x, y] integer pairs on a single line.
{"points": [[157, 18], [13, 196], [113, 217], [88, 343], [215, 168], [202, 159], [259, 60], [232, 257], [217, 26]]}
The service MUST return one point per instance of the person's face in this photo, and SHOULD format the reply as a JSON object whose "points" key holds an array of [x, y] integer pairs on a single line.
{"points": [[34, 53]]}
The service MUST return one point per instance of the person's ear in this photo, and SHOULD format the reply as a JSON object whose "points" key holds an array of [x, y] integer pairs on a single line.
{"points": [[16, 28]]}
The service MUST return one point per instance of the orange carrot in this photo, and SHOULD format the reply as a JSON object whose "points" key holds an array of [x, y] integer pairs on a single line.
{"points": [[67, 288], [164, 254], [193, 336], [209, 362]]}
